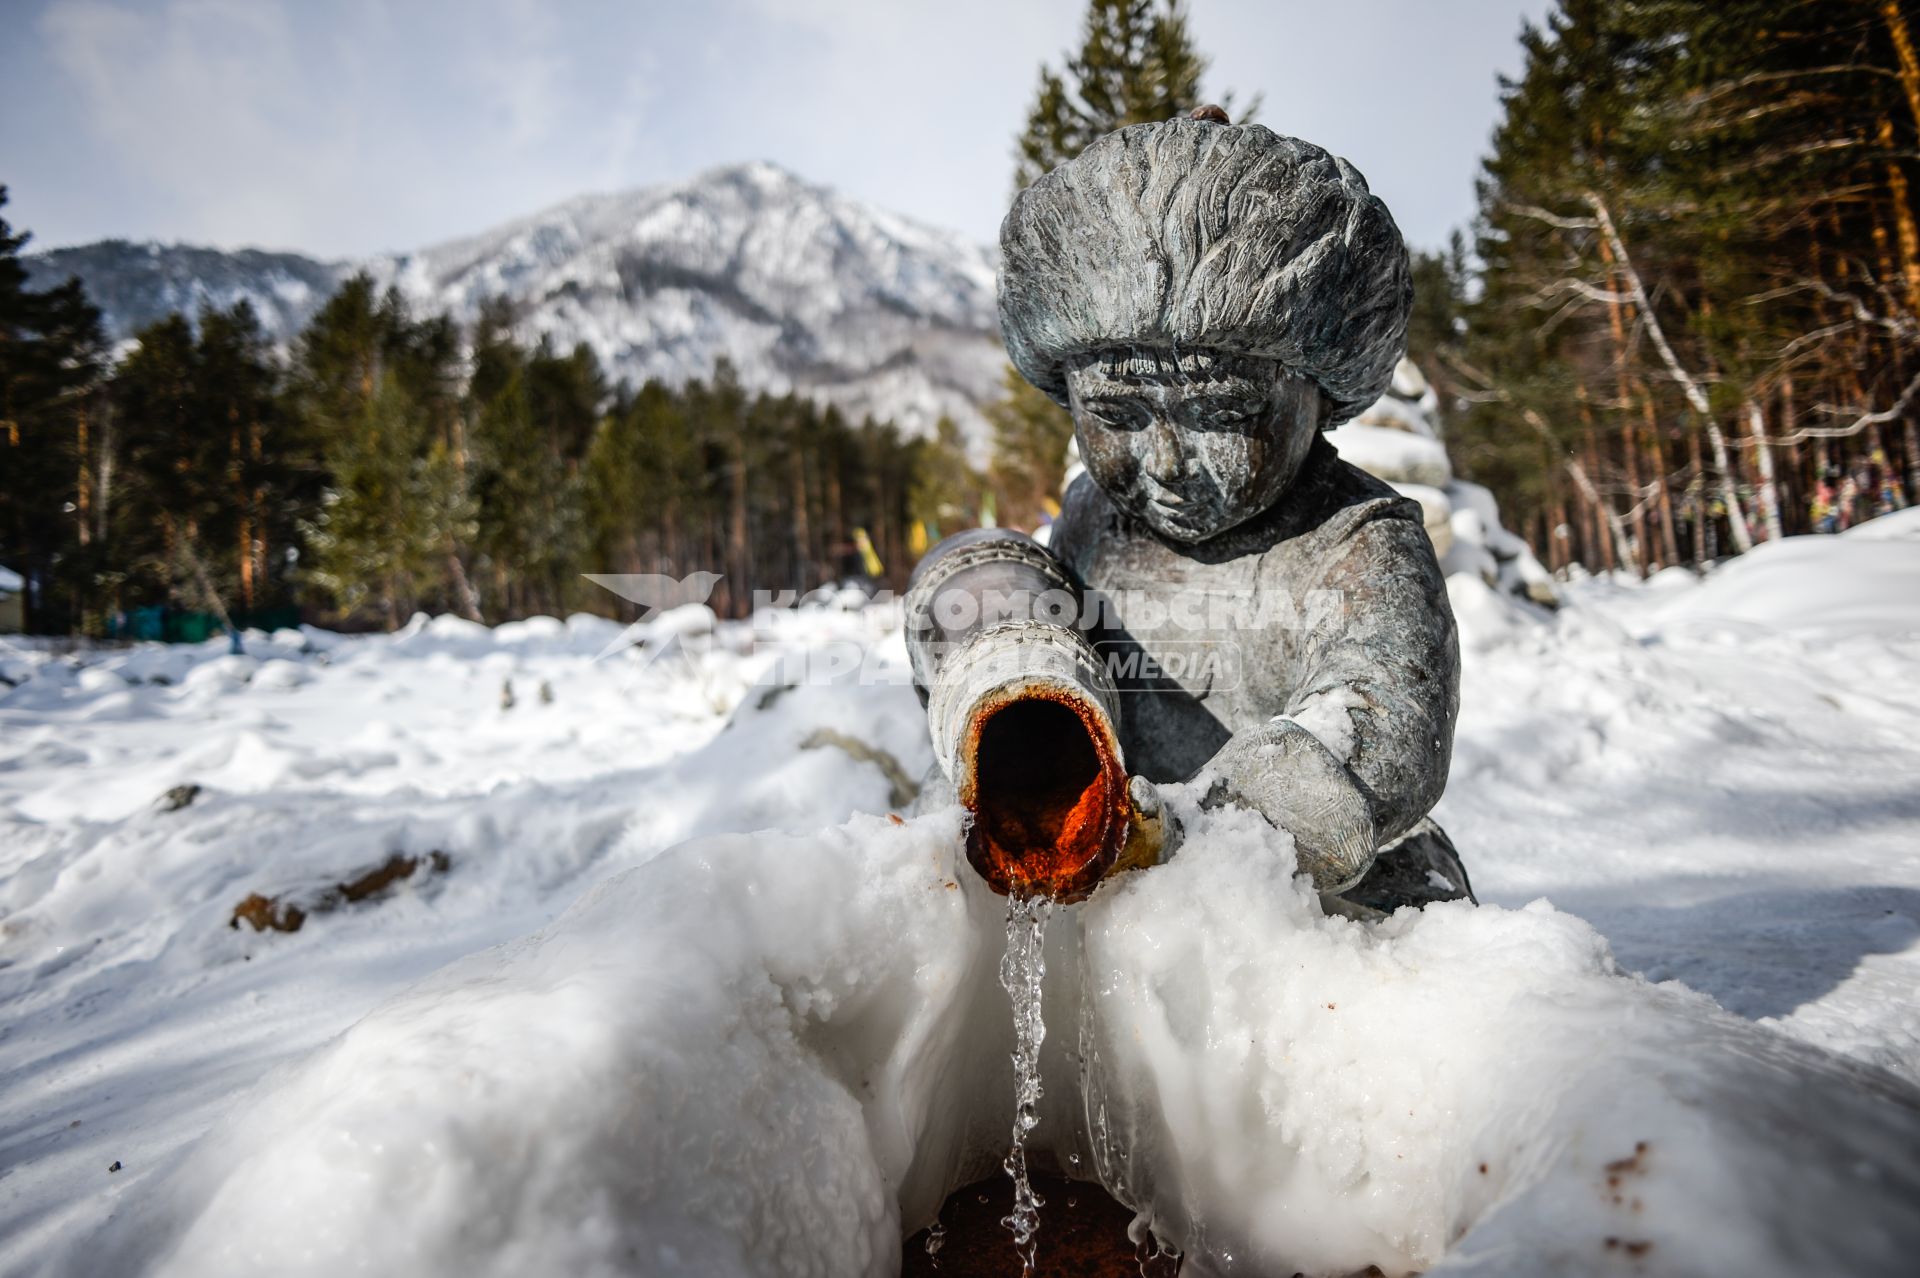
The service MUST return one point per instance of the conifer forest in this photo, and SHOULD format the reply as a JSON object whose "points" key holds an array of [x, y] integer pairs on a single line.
{"points": [[1686, 320]]}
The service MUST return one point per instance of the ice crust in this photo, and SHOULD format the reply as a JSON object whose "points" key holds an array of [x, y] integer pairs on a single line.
{"points": [[769, 1054]]}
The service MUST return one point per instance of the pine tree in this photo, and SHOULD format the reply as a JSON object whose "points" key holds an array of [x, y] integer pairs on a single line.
{"points": [[376, 390], [374, 545], [946, 489], [211, 475], [1136, 64], [1696, 235], [52, 354], [1030, 438], [260, 494]]}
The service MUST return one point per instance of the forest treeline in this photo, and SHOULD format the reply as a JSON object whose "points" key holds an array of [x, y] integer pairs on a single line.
{"points": [[1690, 320], [389, 463], [1686, 319]]}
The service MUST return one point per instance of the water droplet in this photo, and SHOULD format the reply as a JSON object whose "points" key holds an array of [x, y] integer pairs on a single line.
{"points": [[936, 1239]]}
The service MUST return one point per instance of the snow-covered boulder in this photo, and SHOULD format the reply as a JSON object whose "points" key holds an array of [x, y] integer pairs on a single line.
{"points": [[1394, 439], [1481, 545], [1393, 453]]}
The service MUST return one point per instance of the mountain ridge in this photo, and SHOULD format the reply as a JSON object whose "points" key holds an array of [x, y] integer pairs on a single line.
{"points": [[802, 288]]}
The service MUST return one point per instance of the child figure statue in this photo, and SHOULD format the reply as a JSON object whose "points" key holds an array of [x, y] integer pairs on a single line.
{"points": [[1207, 300]]}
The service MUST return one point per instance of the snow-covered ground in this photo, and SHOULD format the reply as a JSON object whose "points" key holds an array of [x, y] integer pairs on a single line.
{"points": [[760, 1052]]}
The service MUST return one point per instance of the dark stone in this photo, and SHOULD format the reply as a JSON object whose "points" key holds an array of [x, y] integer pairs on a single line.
{"points": [[1083, 1234], [290, 912]]}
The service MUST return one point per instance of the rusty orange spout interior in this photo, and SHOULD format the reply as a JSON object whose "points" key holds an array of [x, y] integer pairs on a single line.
{"points": [[1048, 796]]}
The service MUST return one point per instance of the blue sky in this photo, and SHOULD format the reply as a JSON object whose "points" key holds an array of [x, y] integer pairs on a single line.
{"points": [[353, 126]]}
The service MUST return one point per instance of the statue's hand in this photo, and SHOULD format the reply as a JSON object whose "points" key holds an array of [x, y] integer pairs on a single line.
{"points": [[1284, 773], [1152, 831]]}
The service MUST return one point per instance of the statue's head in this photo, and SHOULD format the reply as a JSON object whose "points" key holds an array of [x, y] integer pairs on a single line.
{"points": [[1204, 299]]}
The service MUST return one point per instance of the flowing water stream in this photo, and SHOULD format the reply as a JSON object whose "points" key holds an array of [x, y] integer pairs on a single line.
{"points": [[1022, 970]]}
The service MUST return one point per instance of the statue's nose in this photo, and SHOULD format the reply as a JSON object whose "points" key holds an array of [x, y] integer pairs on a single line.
{"points": [[1162, 460]]}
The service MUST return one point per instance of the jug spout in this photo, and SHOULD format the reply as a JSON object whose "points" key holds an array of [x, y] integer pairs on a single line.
{"points": [[1022, 712]]}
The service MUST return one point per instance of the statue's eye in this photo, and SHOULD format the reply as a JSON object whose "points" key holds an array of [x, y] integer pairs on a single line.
{"points": [[1115, 414], [1227, 414]]}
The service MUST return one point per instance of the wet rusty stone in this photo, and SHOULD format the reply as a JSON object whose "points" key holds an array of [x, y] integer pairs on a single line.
{"points": [[282, 914], [1083, 1234]]}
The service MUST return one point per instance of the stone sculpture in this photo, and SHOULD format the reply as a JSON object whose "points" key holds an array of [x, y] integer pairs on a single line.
{"points": [[1221, 596]]}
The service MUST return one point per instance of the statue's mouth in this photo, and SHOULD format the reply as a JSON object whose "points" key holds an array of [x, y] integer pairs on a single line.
{"points": [[1162, 494]]}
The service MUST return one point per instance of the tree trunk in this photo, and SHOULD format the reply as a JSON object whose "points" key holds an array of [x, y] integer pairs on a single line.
{"points": [[1616, 322], [246, 559], [836, 519], [1669, 536], [1903, 48], [1639, 509], [801, 534], [1729, 487], [1616, 551], [1697, 485], [1903, 224], [1556, 549], [1696, 397], [1763, 460], [464, 597], [83, 489], [103, 486], [1911, 434], [739, 597]]}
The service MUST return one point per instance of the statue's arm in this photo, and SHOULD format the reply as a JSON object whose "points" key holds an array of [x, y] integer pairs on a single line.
{"points": [[1360, 751]]}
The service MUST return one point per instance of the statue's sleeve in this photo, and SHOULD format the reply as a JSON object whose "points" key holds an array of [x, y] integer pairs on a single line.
{"points": [[1360, 751]]}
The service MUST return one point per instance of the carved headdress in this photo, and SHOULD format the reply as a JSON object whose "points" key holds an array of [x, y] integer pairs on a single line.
{"points": [[1199, 235]]}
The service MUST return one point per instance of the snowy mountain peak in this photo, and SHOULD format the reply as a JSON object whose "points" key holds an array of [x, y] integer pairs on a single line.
{"points": [[802, 288]]}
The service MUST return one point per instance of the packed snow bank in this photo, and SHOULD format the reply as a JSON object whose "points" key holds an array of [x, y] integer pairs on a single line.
{"points": [[1866, 580], [132, 1013], [1396, 450], [720, 1063], [1729, 804], [1293, 1092], [762, 1054], [1901, 525]]}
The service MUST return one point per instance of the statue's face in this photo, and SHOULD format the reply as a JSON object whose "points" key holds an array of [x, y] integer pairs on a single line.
{"points": [[1193, 444]]}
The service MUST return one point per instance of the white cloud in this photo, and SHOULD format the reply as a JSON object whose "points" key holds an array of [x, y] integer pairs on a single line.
{"points": [[357, 125]]}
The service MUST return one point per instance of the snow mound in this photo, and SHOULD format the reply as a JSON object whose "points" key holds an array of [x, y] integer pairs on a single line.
{"points": [[721, 1062], [760, 1054], [1814, 585], [1481, 546], [1395, 453], [1290, 1092], [1901, 525]]}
